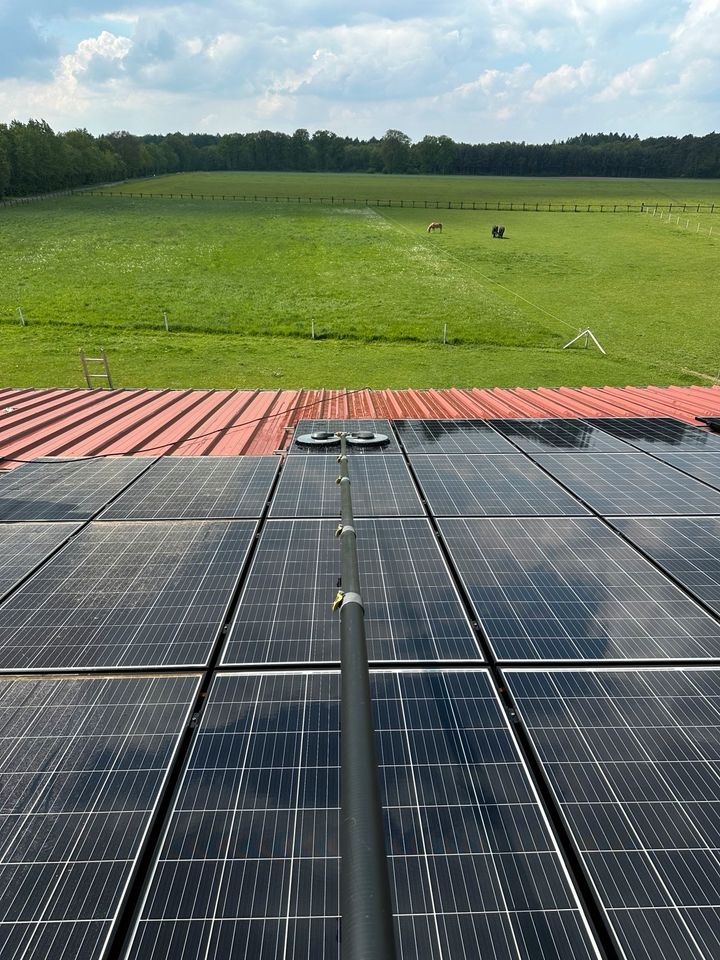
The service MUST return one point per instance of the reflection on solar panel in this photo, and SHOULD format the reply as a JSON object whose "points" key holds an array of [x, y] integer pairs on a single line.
{"points": [[687, 547], [657, 434], [570, 589], [143, 594], [249, 865], [412, 610], [450, 436], [24, 545], [65, 490], [536, 436], [703, 466], [490, 485], [83, 762], [198, 488], [381, 486], [632, 758], [630, 484], [348, 426]]}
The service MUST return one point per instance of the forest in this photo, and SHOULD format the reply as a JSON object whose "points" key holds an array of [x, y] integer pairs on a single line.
{"points": [[35, 159]]}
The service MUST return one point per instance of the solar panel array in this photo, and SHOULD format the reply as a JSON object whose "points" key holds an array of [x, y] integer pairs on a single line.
{"points": [[180, 798]]}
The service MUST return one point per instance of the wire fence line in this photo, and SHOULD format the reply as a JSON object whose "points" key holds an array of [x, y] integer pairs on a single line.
{"points": [[497, 205], [501, 206]]}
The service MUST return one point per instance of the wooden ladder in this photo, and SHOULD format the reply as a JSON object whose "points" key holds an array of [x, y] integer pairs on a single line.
{"points": [[89, 377]]}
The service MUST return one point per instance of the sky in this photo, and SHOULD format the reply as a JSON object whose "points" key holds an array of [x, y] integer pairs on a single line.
{"points": [[477, 71]]}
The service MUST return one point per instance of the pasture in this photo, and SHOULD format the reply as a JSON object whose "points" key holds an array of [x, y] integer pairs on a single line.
{"points": [[243, 283]]}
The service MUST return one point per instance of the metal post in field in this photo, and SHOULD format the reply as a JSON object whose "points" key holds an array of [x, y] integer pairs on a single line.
{"points": [[165, 320], [444, 333], [312, 329], [22, 317], [367, 931]]}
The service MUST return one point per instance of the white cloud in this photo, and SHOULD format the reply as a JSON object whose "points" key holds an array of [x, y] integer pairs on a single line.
{"points": [[563, 82], [105, 48]]}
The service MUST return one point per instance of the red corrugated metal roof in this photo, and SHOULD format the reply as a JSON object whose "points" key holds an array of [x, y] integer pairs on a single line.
{"points": [[35, 423]]}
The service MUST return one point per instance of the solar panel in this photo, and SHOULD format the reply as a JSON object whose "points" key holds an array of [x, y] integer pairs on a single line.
{"points": [[381, 486], [490, 485], [65, 489], [688, 548], [630, 484], [450, 436], [658, 434], [702, 466], [555, 435], [24, 545], [305, 427], [142, 594], [198, 488], [571, 589], [631, 757], [249, 863], [83, 764], [412, 610]]}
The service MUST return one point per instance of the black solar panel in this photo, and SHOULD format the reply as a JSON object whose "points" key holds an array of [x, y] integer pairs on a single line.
{"points": [[687, 547], [571, 589], [24, 545], [658, 434], [630, 484], [412, 610], [83, 764], [490, 485], [142, 594], [381, 486], [305, 427], [249, 864], [702, 466], [554, 435], [450, 436], [65, 489], [198, 488], [632, 758]]}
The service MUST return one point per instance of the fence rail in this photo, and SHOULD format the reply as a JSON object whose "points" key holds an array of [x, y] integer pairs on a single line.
{"points": [[500, 206]]}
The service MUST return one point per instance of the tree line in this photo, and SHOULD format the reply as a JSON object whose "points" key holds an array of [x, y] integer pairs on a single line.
{"points": [[35, 159]]}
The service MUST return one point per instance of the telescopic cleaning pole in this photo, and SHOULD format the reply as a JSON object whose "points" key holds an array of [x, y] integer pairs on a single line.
{"points": [[367, 931]]}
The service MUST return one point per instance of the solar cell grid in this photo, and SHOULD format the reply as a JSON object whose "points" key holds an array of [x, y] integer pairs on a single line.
{"points": [[412, 610], [381, 486], [490, 485], [688, 548], [348, 426], [198, 488], [630, 484], [556, 435], [657, 434], [141, 594], [571, 589], [631, 757], [65, 490], [24, 545], [83, 764], [249, 863], [702, 466], [450, 436]]}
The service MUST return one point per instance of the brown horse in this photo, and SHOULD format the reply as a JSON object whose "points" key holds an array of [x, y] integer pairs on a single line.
{"points": [[434, 226]]}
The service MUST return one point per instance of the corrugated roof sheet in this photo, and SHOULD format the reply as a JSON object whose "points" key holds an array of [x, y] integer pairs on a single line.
{"points": [[81, 422]]}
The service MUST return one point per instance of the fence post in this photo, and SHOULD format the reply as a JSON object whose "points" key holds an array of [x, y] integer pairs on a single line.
{"points": [[22, 317]]}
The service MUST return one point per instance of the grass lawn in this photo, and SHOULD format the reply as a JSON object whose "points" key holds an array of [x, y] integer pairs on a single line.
{"points": [[242, 282]]}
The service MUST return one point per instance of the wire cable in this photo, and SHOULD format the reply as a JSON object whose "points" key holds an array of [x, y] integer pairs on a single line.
{"points": [[199, 436]]}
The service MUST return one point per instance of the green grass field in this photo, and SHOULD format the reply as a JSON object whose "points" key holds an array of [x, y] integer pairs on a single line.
{"points": [[242, 282]]}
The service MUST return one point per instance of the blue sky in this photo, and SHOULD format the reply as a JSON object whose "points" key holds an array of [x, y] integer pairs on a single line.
{"points": [[482, 70]]}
